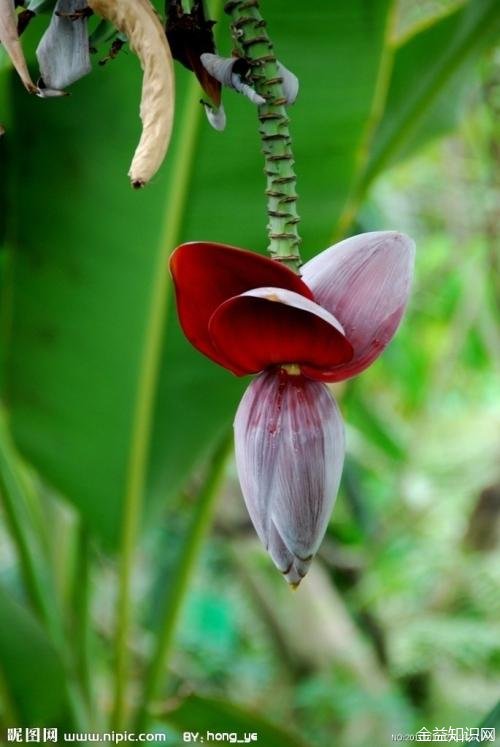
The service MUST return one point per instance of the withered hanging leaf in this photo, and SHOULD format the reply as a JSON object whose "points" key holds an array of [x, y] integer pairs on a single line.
{"points": [[10, 39], [63, 53], [139, 22], [190, 35]]}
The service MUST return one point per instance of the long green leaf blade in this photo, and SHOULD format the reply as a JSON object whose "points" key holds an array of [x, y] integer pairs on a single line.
{"points": [[429, 65], [30, 668]]}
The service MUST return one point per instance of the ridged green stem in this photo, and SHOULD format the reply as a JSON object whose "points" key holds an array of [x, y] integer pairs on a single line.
{"points": [[253, 43]]}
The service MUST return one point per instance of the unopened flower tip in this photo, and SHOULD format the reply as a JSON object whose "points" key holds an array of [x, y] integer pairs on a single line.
{"points": [[250, 315]]}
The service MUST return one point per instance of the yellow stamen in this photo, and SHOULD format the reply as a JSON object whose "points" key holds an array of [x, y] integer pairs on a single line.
{"points": [[292, 369]]}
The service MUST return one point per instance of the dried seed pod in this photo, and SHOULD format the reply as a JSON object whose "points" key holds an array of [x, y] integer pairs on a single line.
{"points": [[290, 83], [63, 53], [139, 22], [225, 70], [10, 39]]}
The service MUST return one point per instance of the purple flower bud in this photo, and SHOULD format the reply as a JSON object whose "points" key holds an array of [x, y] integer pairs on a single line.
{"points": [[289, 453], [251, 314]]}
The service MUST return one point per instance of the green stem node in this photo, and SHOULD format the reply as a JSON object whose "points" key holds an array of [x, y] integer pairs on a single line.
{"points": [[253, 43]]}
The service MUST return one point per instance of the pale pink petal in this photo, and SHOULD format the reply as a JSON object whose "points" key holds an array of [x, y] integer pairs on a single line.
{"points": [[289, 454], [364, 282], [292, 568], [297, 301], [279, 552]]}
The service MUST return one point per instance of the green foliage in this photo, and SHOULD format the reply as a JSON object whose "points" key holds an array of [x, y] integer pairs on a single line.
{"points": [[110, 406], [430, 68], [90, 414], [99, 256], [30, 667], [492, 720]]}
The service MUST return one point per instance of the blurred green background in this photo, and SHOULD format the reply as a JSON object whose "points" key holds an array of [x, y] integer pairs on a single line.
{"points": [[114, 430]]}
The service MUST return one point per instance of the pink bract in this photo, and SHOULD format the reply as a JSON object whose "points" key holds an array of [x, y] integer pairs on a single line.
{"points": [[251, 314]]}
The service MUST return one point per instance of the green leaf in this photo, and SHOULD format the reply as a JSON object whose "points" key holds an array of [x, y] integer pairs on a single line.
{"points": [[195, 404], [442, 116], [201, 714], [491, 721], [30, 668], [4, 60], [421, 91], [225, 198], [84, 308], [429, 71], [4, 123], [86, 289], [365, 417], [80, 300]]}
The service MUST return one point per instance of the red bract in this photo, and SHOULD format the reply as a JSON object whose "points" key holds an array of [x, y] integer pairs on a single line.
{"points": [[251, 314]]}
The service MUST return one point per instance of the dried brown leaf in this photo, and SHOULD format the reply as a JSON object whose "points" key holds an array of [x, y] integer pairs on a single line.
{"points": [[138, 21], [10, 40]]}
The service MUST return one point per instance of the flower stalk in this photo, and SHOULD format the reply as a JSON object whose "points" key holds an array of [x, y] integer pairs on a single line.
{"points": [[253, 43], [252, 315]]}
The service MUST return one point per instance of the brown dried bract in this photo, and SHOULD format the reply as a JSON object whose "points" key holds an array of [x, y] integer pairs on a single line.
{"points": [[190, 35], [10, 39], [138, 21]]}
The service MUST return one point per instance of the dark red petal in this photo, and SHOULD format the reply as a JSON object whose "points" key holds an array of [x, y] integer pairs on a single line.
{"points": [[205, 275], [269, 326]]}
